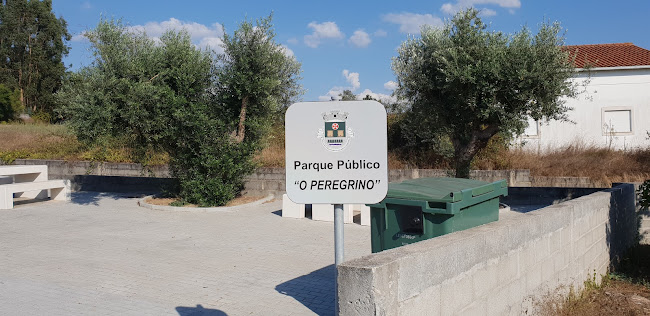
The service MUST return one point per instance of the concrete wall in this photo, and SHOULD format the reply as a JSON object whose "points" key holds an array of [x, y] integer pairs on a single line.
{"points": [[499, 268], [606, 90], [97, 176], [62, 167]]}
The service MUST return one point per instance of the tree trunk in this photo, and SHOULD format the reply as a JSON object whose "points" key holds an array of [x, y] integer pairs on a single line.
{"points": [[20, 69], [20, 86], [241, 128], [463, 159], [465, 151], [30, 73]]}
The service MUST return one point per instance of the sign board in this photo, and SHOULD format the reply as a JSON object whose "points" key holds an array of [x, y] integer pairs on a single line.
{"points": [[336, 152]]}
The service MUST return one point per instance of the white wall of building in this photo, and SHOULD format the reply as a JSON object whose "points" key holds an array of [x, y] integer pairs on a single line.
{"points": [[612, 112]]}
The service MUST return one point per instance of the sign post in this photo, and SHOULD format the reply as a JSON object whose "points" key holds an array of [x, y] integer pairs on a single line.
{"points": [[336, 153]]}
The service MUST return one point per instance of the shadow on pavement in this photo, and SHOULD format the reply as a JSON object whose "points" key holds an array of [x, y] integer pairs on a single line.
{"points": [[198, 311], [92, 198], [314, 290]]}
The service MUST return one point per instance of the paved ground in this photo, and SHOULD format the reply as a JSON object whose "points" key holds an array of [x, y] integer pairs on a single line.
{"points": [[101, 254]]}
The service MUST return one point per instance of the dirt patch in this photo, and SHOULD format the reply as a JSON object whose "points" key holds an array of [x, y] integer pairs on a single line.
{"points": [[244, 200], [237, 201], [165, 202], [624, 292], [614, 297]]}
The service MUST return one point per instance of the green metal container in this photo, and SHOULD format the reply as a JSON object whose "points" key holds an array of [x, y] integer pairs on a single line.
{"points": [[419, 209]]}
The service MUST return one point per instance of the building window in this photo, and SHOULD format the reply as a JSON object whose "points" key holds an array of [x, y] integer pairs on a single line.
{"points": [[532, 130], [617, 121]]}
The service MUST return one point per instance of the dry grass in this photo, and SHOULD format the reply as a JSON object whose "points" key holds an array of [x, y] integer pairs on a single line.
{"points": [[46, 141], [599, 164], [613, 297], [38, 141], [625, 292], [32, 136], [273, 154], [244, 199]]}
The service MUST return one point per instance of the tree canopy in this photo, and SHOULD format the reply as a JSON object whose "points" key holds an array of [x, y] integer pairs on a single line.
{"points": [[32, 46], [348, 95], [256, 79], [209, 113], [468, 83], [9, 104]]}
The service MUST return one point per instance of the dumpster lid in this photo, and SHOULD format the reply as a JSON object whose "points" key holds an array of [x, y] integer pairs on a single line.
{"points": [[435, 189]]}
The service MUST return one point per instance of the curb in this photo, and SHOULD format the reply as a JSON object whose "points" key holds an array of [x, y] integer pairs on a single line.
{"points": [[221, 209]]}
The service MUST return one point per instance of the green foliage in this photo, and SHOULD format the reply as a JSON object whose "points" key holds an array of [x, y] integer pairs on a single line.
{"points": [[8, 157], [644, 194], [209, 114], [127, 92], [420, 146], [10, 106], [42, 117], [470, 83], [493, 155], [31, 51], [348, 95], [257, 81]]}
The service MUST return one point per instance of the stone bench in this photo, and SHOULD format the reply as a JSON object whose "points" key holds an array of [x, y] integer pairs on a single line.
{"points": [[29, 181], [27, 173], [59, 190]]}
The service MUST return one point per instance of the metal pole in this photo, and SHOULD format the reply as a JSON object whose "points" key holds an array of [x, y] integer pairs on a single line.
{"points": [[338, 249]]}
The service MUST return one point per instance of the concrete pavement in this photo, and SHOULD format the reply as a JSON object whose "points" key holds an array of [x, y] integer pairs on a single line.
{"points": [[101, 254]]}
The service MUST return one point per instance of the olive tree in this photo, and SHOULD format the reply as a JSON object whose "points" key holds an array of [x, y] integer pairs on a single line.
{"points": [[469, 83], [209, 113], [256, 79]]}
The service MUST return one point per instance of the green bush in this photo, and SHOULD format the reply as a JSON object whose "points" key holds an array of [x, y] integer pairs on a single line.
{"points": [[10, 106], [644, 194], [418, 146], [211, 115], [42, 117]]}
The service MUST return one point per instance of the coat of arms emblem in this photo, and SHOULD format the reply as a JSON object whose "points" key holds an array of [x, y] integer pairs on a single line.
{"points": [[335, 136]]}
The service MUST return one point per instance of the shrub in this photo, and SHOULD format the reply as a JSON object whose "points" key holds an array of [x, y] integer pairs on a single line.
{"points": [[42, 117], [211, 115], [10, 106], [644, 194]]}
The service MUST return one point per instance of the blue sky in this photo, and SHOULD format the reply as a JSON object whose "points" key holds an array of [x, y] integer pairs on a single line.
{"points": [[349, 44]]}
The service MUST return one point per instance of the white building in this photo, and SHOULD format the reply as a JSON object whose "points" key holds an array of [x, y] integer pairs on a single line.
{"points": [[614, 109]]}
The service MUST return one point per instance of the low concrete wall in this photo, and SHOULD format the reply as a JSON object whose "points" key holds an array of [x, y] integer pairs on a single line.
{"points": [[498, 268], [272, 180], [565, 182], [266, 181], [70, 168]]}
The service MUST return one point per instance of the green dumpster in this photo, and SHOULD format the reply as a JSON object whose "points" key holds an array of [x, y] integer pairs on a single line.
{"points": [[419, 209]]}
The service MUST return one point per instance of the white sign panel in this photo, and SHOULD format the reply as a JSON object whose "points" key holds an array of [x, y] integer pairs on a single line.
{"points": [[336, 152]]}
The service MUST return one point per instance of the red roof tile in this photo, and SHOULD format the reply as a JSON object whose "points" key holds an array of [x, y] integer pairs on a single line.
{"points": [[609, 55]]}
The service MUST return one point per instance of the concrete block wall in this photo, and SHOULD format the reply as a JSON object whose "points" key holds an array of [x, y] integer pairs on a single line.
{"points": [[565, 182], [266, 181], [272, 180], [61, 167], [500, 268]]}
